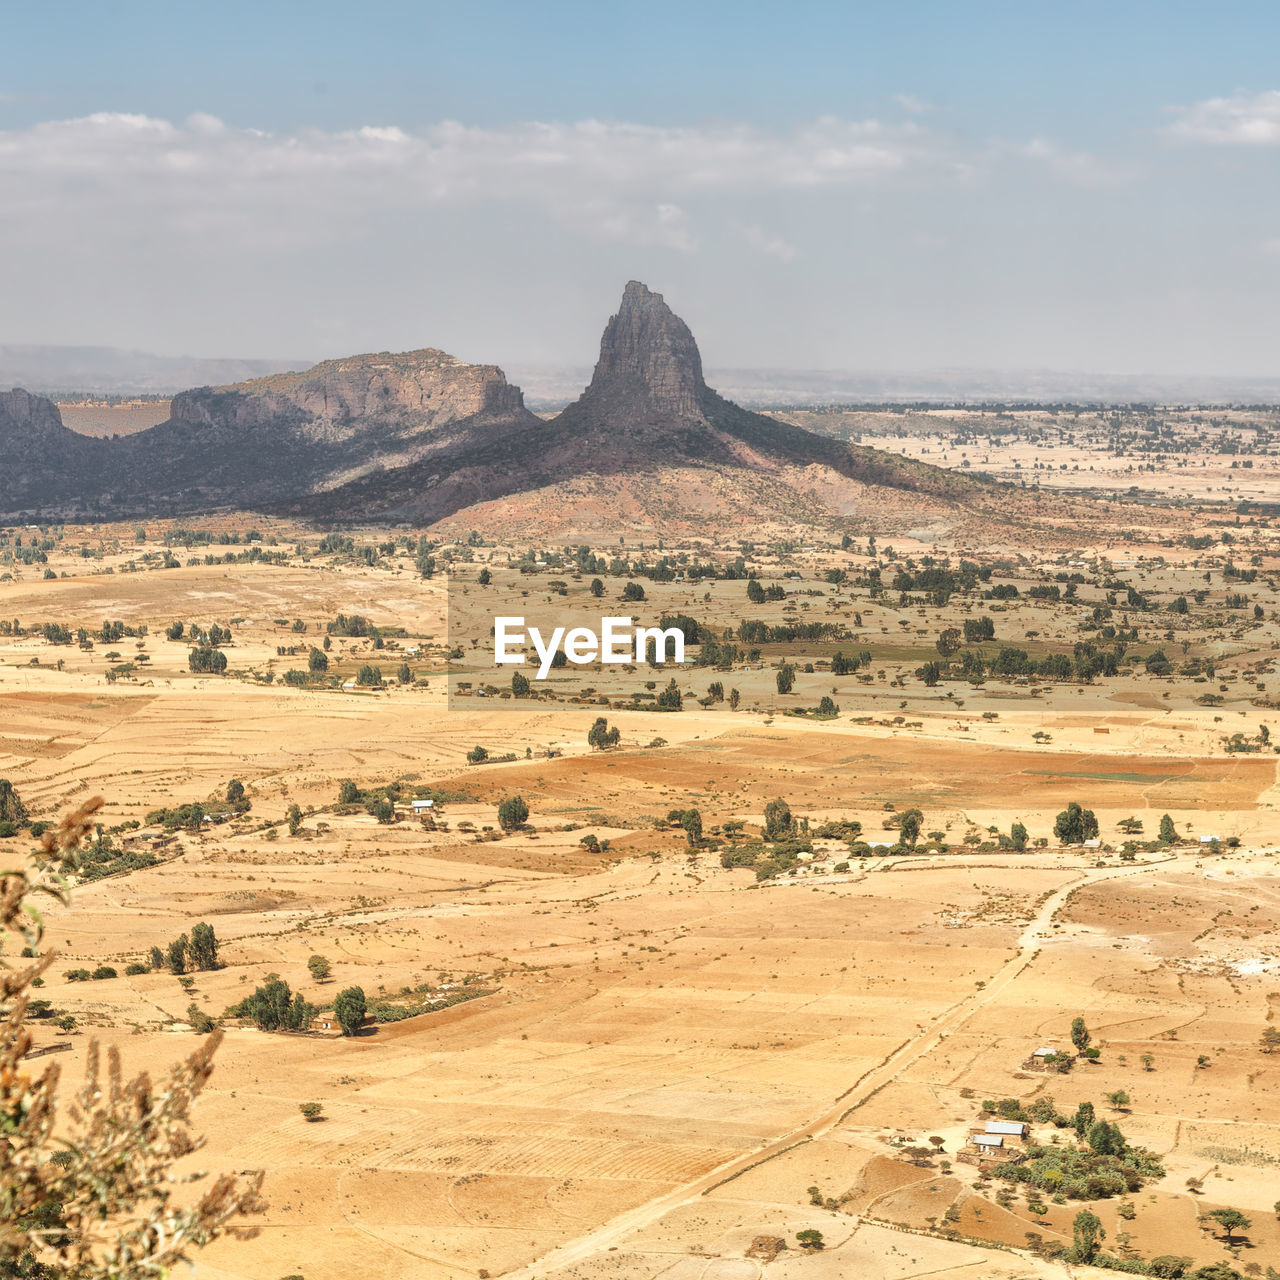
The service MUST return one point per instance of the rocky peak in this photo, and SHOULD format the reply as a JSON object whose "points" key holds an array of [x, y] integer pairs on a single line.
{"points": [[648, 353], [20, 409]]}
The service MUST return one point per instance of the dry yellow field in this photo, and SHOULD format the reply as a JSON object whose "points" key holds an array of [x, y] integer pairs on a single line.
{"points": [[667, 1053]]}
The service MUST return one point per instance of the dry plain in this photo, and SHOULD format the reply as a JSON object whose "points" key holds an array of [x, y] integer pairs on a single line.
{"points": [[662, 1056]]}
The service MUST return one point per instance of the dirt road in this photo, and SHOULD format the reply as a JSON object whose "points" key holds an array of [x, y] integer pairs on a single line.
{"points": [[613, 1232]]}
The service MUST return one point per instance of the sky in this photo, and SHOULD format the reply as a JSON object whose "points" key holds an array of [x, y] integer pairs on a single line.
{"points": [[855, 186]]}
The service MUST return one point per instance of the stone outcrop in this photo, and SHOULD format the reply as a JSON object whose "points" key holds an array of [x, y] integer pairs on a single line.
{"points": [[43, 463], [416, 391], [647, 408], [422, 436], [649, 361]]}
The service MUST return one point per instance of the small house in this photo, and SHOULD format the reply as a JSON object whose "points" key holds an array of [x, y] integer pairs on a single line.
{"points": [[423, 806], [1044, 1052], [988, 1141], [1007, 1128]]}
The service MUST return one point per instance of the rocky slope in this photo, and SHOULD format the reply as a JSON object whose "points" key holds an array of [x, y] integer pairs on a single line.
{"points": [[43, 463], [647, 410], [422, 437], [255, 443]]}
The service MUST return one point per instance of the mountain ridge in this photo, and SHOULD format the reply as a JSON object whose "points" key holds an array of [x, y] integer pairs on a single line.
{"points": [[421, 436]]}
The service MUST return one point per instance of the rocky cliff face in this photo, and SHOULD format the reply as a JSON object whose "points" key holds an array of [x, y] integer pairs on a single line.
{"points": [[286, 436], [646, 409], [43, 463], [422, 436], [649, 361], [416, 391]]}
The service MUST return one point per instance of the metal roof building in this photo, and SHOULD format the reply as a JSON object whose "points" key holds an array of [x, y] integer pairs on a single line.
{"points": [[1014, 1127]]}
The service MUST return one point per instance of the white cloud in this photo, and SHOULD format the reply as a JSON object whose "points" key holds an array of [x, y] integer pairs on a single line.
{"points": [[909, 102], [774, 246], [1079, 168], [1242, 120], [613, 180]]}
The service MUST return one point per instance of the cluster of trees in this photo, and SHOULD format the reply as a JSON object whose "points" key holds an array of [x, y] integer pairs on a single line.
{"points": [[274, 1007], [205, 660], [1086, 662], [691, 821], [355, 625], [197, 950], [1075, 825], [758, 594], [670, 698], [1103, 1165], [513, 813], [600, 736], [842, 666]]}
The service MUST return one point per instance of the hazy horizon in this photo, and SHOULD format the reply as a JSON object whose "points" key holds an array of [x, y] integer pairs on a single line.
{"points": [[1092, 190]]}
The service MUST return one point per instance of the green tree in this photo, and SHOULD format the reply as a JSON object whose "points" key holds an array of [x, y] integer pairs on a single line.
{"points": [[477, 755], [755, 592], [513, 813], [670, 699], [1168, 832], [1087, 1235], [931, 673], [1270, 1041], [1230, 1220], [1082, 1119], [1018, 836], [349, 1009], [199, 1021], [383, 810], [519, 685], [949, 642], [11, 807], [691, 821], [778, 822], [348, 792], [369, 677], [597, 588], [1106, 1139], [633, 592], [403, 674], [318, 967], [1170, 1266], [176, 955], [294, 817], [317, 661], [810, 1238], [1119, 1100], [600, 736], [269, 1004], [311, 1111], [202, 950], [1075, 825], [484, 578], [1080, 1036], [786, 677], [909, 826]]}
